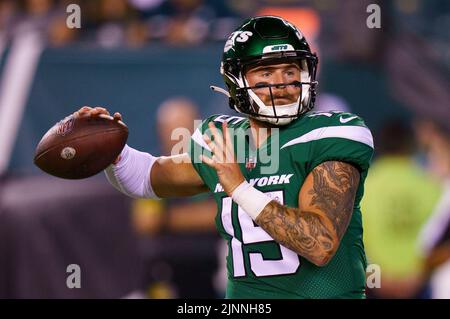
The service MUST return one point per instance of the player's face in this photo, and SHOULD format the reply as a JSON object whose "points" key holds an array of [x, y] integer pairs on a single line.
{"points": [[275, 74]]}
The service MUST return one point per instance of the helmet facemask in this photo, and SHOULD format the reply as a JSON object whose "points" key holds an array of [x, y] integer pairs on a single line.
{"points": [[247, 100]]}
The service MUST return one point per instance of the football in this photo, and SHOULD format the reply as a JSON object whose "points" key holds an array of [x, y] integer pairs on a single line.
{"points": [[80, 146]]}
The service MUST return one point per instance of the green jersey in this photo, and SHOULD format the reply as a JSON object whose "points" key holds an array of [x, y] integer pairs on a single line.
{"points": [[259, 267]]}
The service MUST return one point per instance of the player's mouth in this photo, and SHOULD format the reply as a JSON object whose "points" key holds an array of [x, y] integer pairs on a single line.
{"points": [[281, 101]]}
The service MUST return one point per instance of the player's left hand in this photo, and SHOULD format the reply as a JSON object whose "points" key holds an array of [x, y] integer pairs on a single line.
{"points": [[223, 159]]}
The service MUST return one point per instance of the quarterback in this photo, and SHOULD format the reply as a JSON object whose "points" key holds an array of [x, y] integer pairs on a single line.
{"points": [[292, 233]]}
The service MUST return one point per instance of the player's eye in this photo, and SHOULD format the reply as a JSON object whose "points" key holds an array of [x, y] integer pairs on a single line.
{"points": [[290, 73]]}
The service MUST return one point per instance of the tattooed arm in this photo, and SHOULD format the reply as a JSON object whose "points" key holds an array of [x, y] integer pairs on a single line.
{"points": [[315, 229]]}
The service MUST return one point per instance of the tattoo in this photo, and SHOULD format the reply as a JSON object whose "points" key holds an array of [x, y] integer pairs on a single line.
{"points": [[315, 233], [303, 232], [334, 190]]}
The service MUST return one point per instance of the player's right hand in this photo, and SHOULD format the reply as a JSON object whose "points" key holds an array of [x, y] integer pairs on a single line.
{"points": [[96, 111]]}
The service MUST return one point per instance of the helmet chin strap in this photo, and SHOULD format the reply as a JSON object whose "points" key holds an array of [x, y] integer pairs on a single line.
{"points": [[281, 110], [219, 89], [290, 109], [268, 115]]}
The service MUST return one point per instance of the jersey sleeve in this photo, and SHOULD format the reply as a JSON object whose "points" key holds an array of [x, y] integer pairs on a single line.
{"points": [[345, 138], [197, 147]]}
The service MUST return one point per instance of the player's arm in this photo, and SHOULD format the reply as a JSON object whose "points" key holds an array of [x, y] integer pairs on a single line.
{"points": [[315, 229], [174, 176], [142, 175]]}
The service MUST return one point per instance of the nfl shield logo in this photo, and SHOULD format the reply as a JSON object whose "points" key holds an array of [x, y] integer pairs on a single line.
{"points": [[65, 126], [250, 162]]}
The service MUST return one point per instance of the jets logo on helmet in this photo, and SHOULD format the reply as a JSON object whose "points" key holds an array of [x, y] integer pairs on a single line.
{"points": [[237, 36], [297, 31], [278, 47], [268, 40]]}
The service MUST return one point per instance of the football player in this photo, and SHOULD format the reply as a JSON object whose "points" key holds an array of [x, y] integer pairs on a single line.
{"points": [[295, 232]]}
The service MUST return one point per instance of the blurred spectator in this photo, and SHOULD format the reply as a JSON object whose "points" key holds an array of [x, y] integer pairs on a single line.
{"points": [[8, 11], [326, 102], [114, 23], [182, 231], [188, 25], [59, 34], [419, 73], [46, 17], [188, 22], [398, 199], [118, 25], [435, 237]]}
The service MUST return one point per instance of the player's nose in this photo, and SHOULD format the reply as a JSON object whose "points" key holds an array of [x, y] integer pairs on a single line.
{"points": [[278, 80]]}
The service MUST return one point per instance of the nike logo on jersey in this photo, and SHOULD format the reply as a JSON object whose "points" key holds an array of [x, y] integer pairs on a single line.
{"points": [[263, 181], [347, 119]]}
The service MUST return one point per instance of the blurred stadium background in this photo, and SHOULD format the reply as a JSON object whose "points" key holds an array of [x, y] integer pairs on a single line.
{"points": [[153, 61]]}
